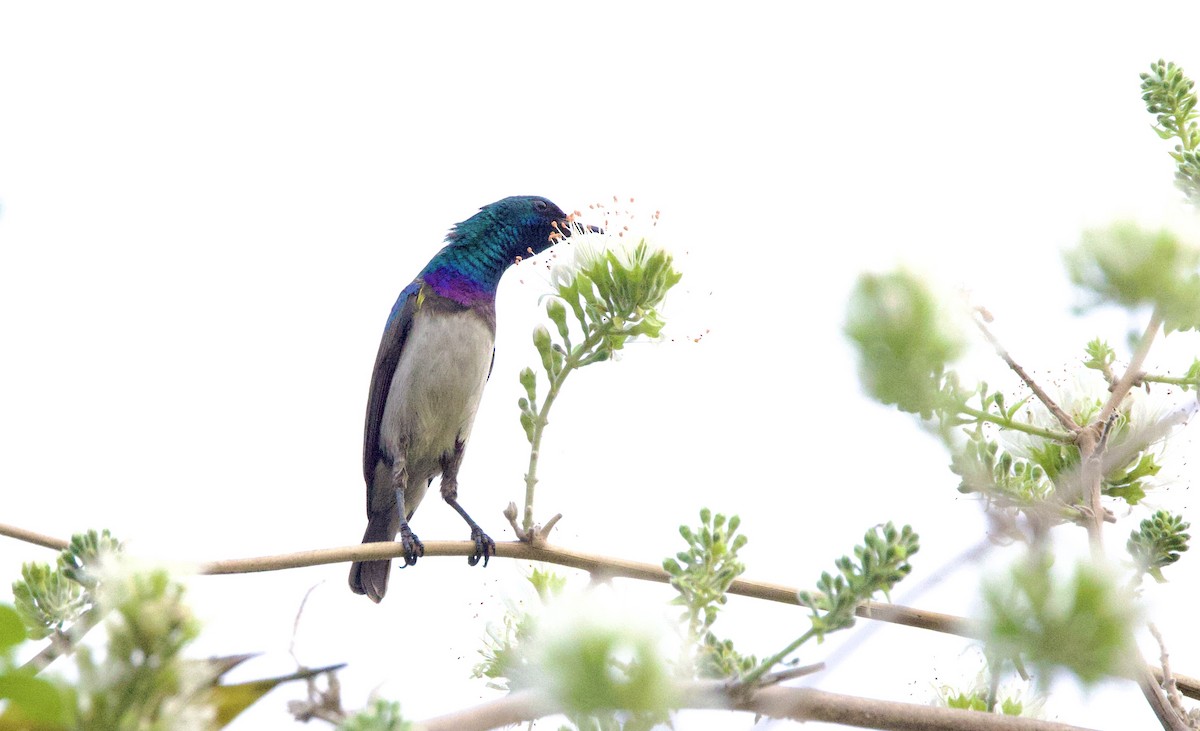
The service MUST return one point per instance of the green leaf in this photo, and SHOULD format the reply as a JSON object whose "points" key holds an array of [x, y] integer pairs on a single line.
{"points": [[34, 703], [1100, 356], [231, 700], [12, 630]]}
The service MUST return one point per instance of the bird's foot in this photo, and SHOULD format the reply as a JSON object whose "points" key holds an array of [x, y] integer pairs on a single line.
{"points": [[413, 548], [485, 547]]}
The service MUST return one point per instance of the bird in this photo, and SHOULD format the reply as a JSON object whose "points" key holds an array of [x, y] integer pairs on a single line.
{"points": [[435, 356]]}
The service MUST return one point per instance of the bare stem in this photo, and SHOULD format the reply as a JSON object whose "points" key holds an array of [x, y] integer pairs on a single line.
{"points": [[1169, 380], [570, 362], [1058, 436], [775, 659]]}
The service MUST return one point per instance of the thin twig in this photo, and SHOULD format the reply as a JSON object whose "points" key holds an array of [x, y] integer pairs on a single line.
{"points": [[296, 624], [1063, 417], [1165, 679], [1037, 431]]}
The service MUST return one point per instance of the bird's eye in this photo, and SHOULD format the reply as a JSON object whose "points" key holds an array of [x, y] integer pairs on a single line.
{"points": [[540, 206]]}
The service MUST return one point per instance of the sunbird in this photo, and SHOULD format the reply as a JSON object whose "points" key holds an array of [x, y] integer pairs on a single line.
{"points": [[436, 354]]}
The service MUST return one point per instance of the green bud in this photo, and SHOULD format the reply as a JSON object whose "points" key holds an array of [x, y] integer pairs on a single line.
{"points": [[541, 341], [598, 357], [586, 289], [541, 338], [529, 381], [46, 599], [558, 315]]}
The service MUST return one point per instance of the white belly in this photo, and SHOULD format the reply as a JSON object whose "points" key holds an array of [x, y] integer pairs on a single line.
{"points": [[435, 392]]}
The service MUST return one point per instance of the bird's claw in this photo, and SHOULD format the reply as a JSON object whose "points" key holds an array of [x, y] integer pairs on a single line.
{"points": [[485, 547], [413, 548]]}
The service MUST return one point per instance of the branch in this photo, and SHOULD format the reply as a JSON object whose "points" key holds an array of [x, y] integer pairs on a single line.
{"points": [[1063, 417], [1165, 680], [799, 704], [1093, 440], [63, 642], [29, 536], [1157, 698], [600, 567], [603, 567]]}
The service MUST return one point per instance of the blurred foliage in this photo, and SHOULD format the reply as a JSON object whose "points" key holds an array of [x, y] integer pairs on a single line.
{"points": [[1127, 265], [1083, 623], [977, 700], [32, 702], [50, 598], [505, 651], [141, 681], [904, 341], [601, 667], [381, 715]]}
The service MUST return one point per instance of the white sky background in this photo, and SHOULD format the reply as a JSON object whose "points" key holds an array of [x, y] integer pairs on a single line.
{"points": [[206, 212]]}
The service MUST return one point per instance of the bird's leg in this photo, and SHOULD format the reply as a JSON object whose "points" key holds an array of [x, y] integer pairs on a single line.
{"points": [[485, 547], [413, 548]]}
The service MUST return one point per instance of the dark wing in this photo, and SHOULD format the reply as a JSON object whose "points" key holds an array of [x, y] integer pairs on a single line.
{"points": [[395, 334]]}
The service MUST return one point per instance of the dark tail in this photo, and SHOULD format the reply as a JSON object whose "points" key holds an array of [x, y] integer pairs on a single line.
{"points": [[371, 577]]}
